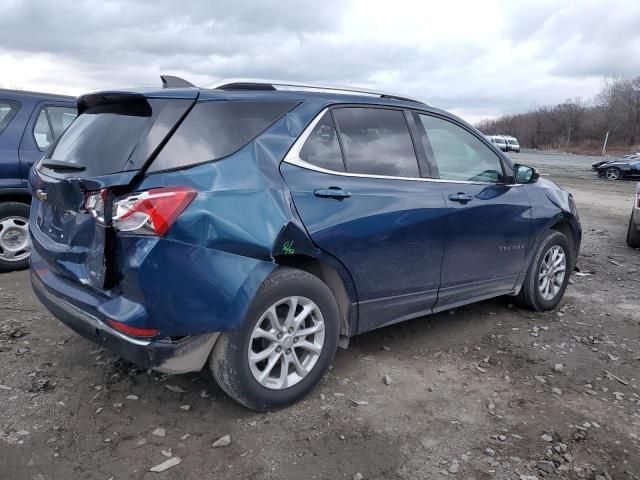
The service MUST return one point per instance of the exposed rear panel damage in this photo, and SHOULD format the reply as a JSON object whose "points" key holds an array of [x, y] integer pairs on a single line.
{"points": [[214, 257]]}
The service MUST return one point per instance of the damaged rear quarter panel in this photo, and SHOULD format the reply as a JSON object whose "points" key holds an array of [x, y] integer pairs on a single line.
{"points": [[218, 252]]}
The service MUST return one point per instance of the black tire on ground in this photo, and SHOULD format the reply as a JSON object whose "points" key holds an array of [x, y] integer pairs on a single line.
{"points": [[530, 295], [20, 210], [633, 234], [229, 360]]}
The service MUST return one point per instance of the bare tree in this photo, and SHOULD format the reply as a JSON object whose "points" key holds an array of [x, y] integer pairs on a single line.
{"points": [[616, 109]]}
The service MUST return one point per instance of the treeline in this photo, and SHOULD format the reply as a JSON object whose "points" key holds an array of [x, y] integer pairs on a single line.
{"points": [[577, 125]]}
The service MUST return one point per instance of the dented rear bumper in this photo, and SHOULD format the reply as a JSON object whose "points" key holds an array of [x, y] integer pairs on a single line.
{"points": [[185, 355]]}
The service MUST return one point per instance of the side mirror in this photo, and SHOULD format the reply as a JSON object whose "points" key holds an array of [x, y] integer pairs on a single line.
{"points": [[525, 174]]}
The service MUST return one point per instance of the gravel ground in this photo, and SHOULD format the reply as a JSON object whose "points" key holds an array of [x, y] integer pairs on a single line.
{"points": [[487, 391]]}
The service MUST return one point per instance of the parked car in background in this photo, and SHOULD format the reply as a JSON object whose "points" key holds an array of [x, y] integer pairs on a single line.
{"points": [[620, 168], [598, 163], [499, 142], [633, 232], [512, 144], [29, 123], [253, 226]]}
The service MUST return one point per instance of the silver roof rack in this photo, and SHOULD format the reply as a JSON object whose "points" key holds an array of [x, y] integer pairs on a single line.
{"points": [[262, 84]]}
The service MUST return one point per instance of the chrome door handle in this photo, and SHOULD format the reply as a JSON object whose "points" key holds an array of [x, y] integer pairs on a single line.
{"points": [[460, 197], [332, 192]]}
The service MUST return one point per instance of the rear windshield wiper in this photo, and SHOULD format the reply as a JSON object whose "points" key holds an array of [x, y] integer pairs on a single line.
{"points": [[61, 165]]}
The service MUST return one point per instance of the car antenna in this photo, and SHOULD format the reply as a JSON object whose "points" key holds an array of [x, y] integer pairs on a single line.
{"points": [[169, 81]]}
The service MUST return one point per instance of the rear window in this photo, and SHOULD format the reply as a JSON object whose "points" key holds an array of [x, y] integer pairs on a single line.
{"points": [[376, 141], [103, 137], [322, 148], [216, 129], [8, 110]]}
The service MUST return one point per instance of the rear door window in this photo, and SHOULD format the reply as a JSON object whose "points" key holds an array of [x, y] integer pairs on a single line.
{"points": [[8, 110], [376, 141], [216, 129], [60, 118], [50, 124], [458, 154], [42, 131], [322, 148]]}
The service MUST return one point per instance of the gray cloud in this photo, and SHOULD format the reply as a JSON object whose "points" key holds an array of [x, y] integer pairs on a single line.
{"points": [[518, 55]]}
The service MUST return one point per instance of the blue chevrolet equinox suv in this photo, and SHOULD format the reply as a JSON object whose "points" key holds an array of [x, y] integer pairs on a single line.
{"points": [[29, 123], [255, 226]]}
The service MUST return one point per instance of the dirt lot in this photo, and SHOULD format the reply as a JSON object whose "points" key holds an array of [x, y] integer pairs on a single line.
{"points": [[474, 393]]}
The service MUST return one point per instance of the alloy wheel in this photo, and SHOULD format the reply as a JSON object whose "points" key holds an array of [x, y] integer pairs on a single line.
{"points": [[14, 239], [612, 173], [286, 342], [552, 272]]}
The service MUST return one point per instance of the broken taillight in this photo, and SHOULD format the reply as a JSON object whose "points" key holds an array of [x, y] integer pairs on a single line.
{"points": [[151, 212], [94, 203]]}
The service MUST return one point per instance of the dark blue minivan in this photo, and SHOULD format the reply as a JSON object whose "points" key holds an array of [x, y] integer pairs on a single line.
{"points": [[255, 226], [29, 123]]}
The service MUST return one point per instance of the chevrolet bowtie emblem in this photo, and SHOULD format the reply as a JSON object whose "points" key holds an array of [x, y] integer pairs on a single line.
{"points": [[41, 195]]}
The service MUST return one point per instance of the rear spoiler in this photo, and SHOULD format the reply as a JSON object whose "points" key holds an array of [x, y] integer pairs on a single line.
{"points": [[135, 103], [125, 102]]}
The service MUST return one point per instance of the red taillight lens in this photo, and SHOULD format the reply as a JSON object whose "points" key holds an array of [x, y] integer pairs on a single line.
{"points": [[151, 212], [134, 331]]}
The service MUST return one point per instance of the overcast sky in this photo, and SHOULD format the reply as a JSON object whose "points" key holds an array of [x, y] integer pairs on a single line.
{"points": [[478, 59]]}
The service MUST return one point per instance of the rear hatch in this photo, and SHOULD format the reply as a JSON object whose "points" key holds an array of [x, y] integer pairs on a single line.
{"points": [[108, 146]]}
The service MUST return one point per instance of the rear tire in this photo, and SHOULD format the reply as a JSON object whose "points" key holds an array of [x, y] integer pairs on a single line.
{"points": [[277, 337], [545, 282], [633, 234], [14, 236]]}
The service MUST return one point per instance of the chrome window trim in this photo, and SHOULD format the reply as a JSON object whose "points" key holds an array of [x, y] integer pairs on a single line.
{"points": [[293, 158]]}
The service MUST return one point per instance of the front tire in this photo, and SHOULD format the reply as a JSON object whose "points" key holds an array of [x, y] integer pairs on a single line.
{"points": [[633, 234], [613, 173], [14, 236], [548, 274], [285, 344]]}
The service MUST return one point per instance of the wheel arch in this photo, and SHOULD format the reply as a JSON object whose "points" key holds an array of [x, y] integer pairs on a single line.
{"points": [[347, 306], [569, 228], [565, 227], [18, 195]]}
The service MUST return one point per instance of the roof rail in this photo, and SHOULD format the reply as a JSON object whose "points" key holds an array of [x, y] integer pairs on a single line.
{"points": [[262, 84]]}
